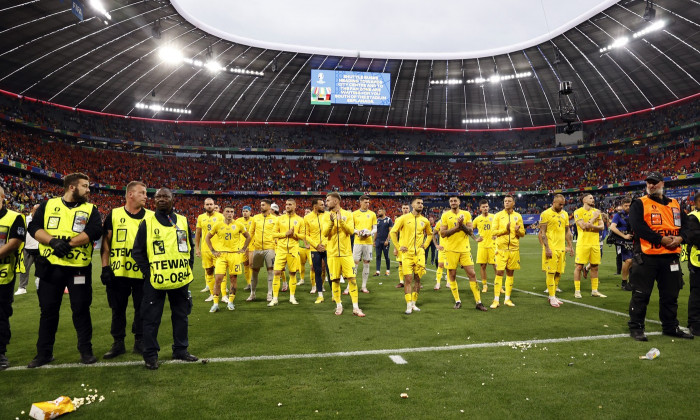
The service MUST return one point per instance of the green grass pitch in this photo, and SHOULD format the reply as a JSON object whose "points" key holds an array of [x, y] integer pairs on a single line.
{"points": [[597, 377]]}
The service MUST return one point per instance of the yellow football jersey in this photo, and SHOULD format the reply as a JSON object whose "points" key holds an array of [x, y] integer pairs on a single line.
{"points": [[459, 241], [340, 231], [509, 241], [364, 220], [484, 225], [229, 236], [283, 224], [206, 222], [262, 229], [313, 223], [246, 224], [415, 233], [587, 238], [557, 224]]}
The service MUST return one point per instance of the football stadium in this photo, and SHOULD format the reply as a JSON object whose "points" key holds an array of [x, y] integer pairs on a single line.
{"points": [[363, 210]]}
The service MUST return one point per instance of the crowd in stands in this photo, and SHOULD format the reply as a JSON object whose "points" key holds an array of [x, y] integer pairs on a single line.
{"points": [[346, 138]]}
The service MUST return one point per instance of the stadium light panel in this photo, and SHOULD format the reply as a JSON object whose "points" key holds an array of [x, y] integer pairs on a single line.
{"points": [[161, 108], [100, 8], [621, 42], [487, 120], [480, 80], [171, 55], [174, 56]]}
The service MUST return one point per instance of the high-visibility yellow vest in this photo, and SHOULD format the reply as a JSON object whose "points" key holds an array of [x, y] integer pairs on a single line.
{"points": [[62, 222], [10, 264], [124, 228], [694, 254], [168, 249]]}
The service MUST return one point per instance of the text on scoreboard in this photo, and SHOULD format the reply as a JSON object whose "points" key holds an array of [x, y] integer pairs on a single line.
{"points": [[350, 87]]}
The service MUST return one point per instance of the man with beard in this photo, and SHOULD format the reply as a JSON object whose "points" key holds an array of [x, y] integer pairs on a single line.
{"points": [[405, 209], [416, 236], [621, 227], [120, 273], [589, 222], [205, 222], [313, 224], [164, 251], [381, 240], [66, 227], [659, 225]]}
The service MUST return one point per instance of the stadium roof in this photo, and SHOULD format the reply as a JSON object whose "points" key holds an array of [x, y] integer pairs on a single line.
{"points": [[47, 53]]}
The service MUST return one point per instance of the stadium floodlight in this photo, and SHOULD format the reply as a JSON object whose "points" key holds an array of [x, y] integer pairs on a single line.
{"points": [[161, 108], [171, 55], [100, 8], [487, 120], [213, 66], [480, 80], [651, 28]]}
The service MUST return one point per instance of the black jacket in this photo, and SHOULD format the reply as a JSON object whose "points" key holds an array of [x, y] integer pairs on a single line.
{"points": [[643, 231]]}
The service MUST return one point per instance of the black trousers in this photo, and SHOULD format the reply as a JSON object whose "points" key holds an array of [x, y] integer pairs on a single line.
{"points": [[118, 299], [317, 259], [382, 250], [6, 298], [53, 280], [642, 277], [152, 312], [694, 299], [432, 250], [618, 258]]}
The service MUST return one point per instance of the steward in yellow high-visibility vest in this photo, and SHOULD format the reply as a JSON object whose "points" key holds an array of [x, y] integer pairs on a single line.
{"points": [[120, 273], [164, 251], [66, 228], [12, 233], [693, 247]]}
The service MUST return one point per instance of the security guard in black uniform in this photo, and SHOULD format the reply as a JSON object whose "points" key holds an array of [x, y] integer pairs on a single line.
{"points": [[12, 233], [164, 251], [659, 227], [693, 248], [120, 273], [65, 227]]}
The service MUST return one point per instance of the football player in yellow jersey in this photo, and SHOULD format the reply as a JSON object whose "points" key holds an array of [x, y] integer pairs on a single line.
{"points": [[455, 229], [416, 235], [304, 254], [288, 230], [247, 221], [313, 223], [589, 223], [405, 209], [441, 257], [486, 247], [261, 229], [365, 227], [555, 237], [338, 226], [205, 222], [228, 253], [508, 228]]}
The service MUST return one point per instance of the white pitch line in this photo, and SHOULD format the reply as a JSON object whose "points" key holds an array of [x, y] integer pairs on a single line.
{"points": [[347, 353], [398, 359], [610, 311]]}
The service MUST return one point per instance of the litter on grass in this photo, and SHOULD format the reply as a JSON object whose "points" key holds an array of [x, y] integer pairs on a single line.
{"points": [[651, 354]]}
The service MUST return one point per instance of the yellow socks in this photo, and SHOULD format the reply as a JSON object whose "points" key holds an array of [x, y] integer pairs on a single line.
{"points": [[400, 273], [483, 281], [276, 286], [509, 286], [577, 285], [551, 285], [438, 275], [209, 279], [224, 286], [594, 283], [352, 288], [216, 299], [475, 290], [407, 297], [455, 290], [497, 286], [312, 276], [557, 277], [248, 274], [292, 284], [414, 297], [231, 297], [335, 287]]}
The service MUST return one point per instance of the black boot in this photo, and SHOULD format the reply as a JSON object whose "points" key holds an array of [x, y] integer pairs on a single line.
{"points": [[117, 349], [138, 346]]}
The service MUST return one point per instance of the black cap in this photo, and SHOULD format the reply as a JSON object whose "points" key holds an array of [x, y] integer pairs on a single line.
{"points": [[654, 177]]}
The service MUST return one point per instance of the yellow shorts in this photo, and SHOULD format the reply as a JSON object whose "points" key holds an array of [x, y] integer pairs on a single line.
{"points": [[441, 257], [303, 256], [507, 260], [287, 259], [414, 264], [342, 266], [231, 261], [454, 260], [556, 264], [485, 255], [244, 257], [399, 256], [588, 254], [208, 260]]}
